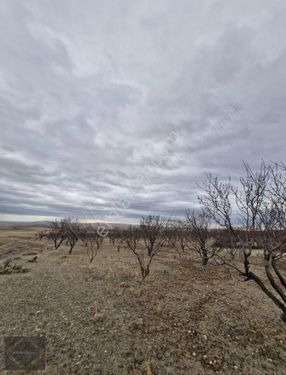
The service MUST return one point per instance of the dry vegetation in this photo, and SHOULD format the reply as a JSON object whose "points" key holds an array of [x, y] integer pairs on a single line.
{"points": [[100, 318], [165, 297]]}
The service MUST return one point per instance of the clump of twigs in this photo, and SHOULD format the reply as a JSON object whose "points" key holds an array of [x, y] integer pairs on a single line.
{"points": [[8, 268]]}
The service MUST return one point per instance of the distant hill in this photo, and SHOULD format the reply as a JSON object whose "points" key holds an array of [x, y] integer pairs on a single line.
{"points": [[46, 223], [25, 223]]}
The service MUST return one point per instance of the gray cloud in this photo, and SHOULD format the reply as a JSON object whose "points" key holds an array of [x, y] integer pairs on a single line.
{"points": [[111, 110]]}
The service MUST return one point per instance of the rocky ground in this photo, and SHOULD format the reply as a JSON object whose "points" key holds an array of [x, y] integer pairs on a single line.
{"points": [[100, 318]]}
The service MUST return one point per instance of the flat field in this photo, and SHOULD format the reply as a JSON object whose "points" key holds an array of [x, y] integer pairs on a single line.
{"points": [[100, 318]]}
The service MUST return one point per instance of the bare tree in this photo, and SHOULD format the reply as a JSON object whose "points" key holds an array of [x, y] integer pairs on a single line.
{"points": [[117, 237], [91, 240], [56, 233], [199, 227], [66, 231], [183, 235], [152, 231], [132, 239], [172, 234], [253, 211], [73, 231]]}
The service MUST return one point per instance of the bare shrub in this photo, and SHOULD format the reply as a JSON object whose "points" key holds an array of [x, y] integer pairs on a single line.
{"points": [[8, 268]]}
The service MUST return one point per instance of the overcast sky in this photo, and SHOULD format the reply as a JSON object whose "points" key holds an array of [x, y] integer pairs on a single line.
{"points": [[113, 109]]}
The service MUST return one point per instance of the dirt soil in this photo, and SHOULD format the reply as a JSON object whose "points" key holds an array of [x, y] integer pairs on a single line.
{"points": [[100, 318]]}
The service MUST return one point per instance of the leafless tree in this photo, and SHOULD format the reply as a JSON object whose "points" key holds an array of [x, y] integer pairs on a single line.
{"points": [[152, 231], [91, 240], [55, 233], [73, 231], [183, 235], [252, 211], [199, 228], [117, 237], [172, 234], [66, 231], [132, 239], [112, 236]]}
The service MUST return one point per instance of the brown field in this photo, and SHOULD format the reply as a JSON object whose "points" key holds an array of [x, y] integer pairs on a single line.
{"points": [[100, 318]]}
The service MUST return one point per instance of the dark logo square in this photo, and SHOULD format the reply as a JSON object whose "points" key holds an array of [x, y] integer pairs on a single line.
{"points": [[24, 353]]}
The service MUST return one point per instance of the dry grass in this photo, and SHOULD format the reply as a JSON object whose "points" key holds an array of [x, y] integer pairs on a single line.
{"points": [[102, 319]]}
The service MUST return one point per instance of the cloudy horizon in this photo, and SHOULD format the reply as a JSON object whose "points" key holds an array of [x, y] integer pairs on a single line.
{"points": [[112, 110]]}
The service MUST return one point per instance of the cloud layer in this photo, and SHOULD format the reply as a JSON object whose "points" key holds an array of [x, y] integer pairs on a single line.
{"points": [[110, 110]]}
